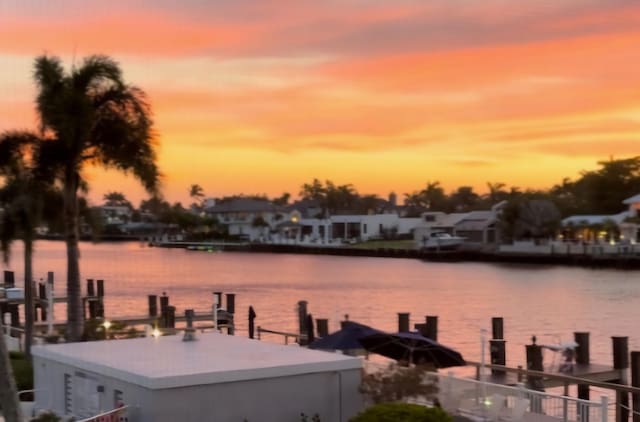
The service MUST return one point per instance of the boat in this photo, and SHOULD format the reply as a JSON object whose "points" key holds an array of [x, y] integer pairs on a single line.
{"points": [[441, 241]]}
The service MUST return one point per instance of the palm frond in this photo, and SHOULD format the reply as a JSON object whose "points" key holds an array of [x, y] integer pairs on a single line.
{"points": [[49, 77]]}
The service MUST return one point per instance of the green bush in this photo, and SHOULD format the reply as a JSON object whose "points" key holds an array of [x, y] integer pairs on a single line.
{"points": [[402, 412], [22, 372]]}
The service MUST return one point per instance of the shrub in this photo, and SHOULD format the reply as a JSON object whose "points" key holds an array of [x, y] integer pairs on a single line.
{"points": [[402, 412], [397, 383], [22, 372]]}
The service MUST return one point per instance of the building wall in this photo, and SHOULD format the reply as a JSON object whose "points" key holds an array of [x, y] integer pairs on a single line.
{"points": [[332, 395]]}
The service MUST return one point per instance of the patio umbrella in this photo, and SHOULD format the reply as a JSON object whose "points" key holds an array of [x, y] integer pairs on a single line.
{"points": [[412, 347], [346, 338]]}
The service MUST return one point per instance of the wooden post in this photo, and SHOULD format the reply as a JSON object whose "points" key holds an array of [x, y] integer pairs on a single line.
{"points": [[497, 350], [9, 279], [635, 382], [322, 325], [231, 303], [302, 322], [171, 316], [403, 322], [100, 303], [153, 305], [252, 317], [164, 305], [582, 358], [497, 328], [497, 345], [431, 327], [621, 363], [90, 288], [534, 362]]}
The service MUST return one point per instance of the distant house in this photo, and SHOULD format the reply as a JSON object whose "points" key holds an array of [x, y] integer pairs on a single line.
{"points": [[249, 218], [115, 214], [597, 227], [214, 378]]}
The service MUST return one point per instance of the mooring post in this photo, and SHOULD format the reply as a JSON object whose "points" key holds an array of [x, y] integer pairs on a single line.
{"points": [[322, 326], [164, 305], [9, 279], [497, 345], [431, 327], [231, 303], [302, 322], [153, 305], [621, 363], [218, 296], [90, 300], [252, 317], [403, 322], [14, 310], [50, 302], [100, 305], [635, 382], [90, 288], [534, 362], [497, 328], [171, 316], [582, 358]]}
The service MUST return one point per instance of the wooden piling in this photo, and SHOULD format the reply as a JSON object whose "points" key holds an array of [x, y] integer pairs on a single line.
{"points": [[171, 317], [100, 287], [635, 382], [497, 345], [90, 288], [252, 317], [302, 322], [534, 362], [403, 322], [582, 358], [9, 279], [497, 328], [231, 303], [100, 304], [322, 327], [431, 327], [218, 296], [164, 305], [14, 311], [153, 305], [621, 362]]}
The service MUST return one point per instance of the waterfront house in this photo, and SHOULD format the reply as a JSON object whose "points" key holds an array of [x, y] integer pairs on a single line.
{"points": [[250, 218], [215, 377]]}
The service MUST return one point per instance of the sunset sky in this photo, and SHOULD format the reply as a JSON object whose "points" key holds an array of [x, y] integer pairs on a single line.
{"points": [[262, 96]]}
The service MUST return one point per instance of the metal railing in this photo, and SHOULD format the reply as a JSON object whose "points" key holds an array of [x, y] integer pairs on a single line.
{"points": [[119, 414], [469, 396]]}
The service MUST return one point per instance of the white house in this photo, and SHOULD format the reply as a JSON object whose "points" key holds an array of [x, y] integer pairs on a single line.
{"points": [[248, 217], [216, 377]]}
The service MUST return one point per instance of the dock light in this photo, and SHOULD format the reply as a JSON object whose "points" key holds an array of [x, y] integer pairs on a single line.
{"points": [[106, 324], [156, 333]]}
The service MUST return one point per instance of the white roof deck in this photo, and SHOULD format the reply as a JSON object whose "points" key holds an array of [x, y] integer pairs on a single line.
{"points": [[168, 362]]}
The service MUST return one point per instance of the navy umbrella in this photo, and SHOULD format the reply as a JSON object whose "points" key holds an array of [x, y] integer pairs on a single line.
{"points": [[346, 338], [412, 347]]}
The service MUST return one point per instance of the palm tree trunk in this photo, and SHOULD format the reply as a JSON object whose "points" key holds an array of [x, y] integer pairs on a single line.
{"points": [[75, 318], [8, 390], [28, 296]]}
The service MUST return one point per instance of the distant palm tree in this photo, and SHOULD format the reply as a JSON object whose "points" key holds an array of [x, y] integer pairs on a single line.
{"points": [[89, 116]]}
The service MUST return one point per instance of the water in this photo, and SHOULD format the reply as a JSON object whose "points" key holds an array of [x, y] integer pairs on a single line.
{"points": [[549, 301]]}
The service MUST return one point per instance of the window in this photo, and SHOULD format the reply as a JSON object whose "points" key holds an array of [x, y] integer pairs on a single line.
{"points": [[364, 228], [429, 218], [67, 394]]}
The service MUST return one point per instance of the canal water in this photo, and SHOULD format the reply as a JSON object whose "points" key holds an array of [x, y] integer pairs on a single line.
{"points": [[551, 302]]}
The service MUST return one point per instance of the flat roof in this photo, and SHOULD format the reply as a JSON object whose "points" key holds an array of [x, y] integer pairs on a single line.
{"points": [[169, 362]]}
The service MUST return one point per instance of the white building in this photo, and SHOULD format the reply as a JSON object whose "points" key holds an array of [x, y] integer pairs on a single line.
{"points": [[216, 377]]}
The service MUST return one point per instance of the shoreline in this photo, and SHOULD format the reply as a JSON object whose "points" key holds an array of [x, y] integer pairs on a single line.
{"points": [[586, 260]]}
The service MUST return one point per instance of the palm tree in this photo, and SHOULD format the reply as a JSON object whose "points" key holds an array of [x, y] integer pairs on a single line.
{"points": [[22, 199], [89, 116]]}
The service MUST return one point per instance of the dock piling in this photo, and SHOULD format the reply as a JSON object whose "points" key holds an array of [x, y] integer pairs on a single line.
{"points": [[153, 305], [635, 382], [302, 322], [322, 327], [582, 358], [403, 322], [497, 345], [621, 362]]}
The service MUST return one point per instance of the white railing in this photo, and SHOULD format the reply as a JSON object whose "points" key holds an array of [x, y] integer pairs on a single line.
{"points": [[119, 414], [473, 397]]}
